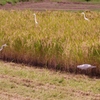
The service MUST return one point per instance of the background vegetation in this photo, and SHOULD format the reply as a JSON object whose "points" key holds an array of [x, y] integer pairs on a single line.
{"points": [[57, 41], [3, 2]]}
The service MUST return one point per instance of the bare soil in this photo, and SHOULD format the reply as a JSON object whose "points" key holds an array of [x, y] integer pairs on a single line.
{"points": [[47, 5]]}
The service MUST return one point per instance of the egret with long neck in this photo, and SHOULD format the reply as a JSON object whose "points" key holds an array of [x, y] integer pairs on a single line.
{"points": [[85, 17], [3, 47], [35, 18]]}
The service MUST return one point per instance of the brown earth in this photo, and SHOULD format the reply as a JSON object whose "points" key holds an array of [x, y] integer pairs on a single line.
{"points": [[47, 5]]}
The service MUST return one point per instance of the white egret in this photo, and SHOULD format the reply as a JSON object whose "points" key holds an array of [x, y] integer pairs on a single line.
{"points": [[3, 47], [85, 66], [85, 17], [35, 18]]}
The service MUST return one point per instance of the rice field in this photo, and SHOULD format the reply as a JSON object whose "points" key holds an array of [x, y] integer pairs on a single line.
{"points": [[61, 40]]}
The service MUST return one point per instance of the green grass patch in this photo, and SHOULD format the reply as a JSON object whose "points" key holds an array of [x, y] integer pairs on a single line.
{"points": [[25, 82], [3, 2]]}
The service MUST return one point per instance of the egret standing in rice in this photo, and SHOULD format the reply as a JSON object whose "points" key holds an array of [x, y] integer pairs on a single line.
{"points": [[3, 47], [35, 18], [85, 17]]}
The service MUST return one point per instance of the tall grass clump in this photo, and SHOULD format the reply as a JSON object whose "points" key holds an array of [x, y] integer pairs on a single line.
{"points": [[61, 40]]}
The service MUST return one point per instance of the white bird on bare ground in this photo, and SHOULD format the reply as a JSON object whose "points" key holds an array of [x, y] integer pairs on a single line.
{"points": [[35, 18], [3, 47], [85, 17], [85, 66]]}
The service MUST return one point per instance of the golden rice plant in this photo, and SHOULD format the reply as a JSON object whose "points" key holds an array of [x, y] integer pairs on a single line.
{"points": [[61, 40]]}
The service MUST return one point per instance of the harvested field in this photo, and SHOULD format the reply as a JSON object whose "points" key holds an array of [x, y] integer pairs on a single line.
{"points": [[20, 82]]}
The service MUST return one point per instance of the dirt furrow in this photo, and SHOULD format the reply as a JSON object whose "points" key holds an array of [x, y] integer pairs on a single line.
{"points": [[39, 85], [47, 5]]}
